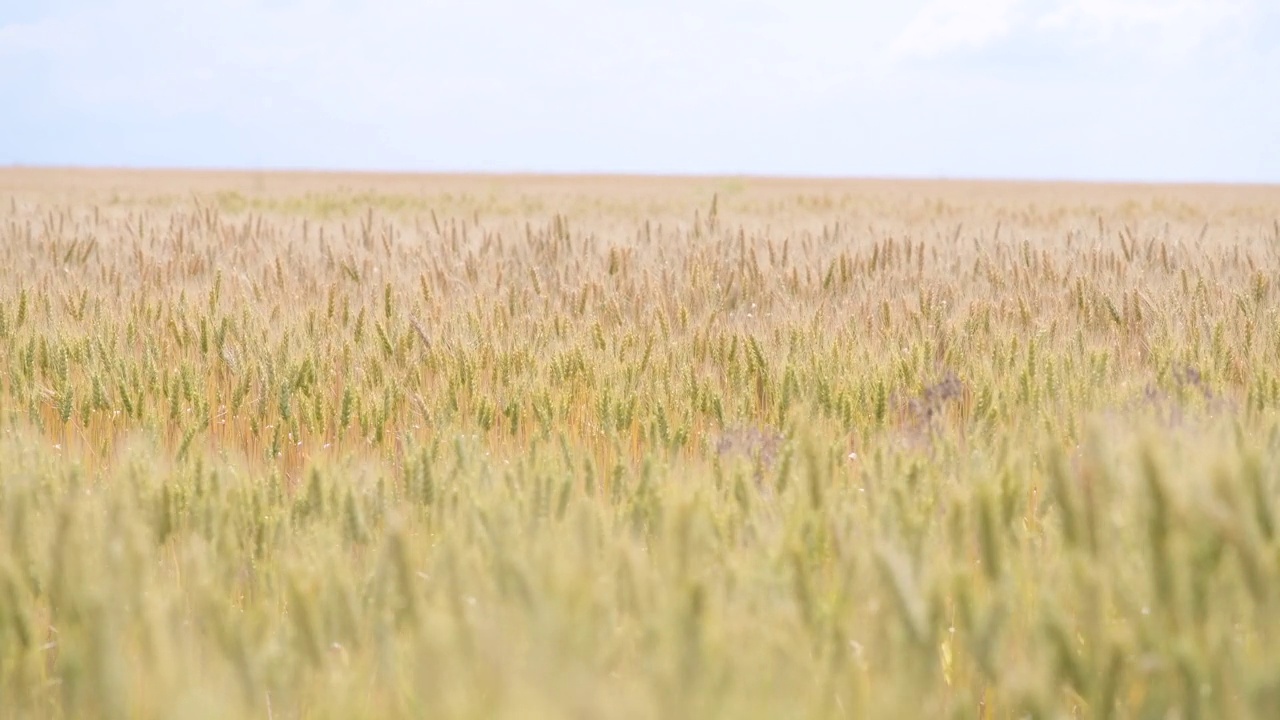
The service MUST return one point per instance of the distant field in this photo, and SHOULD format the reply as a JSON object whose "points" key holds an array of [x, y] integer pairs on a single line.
{"points": [[374, 446]]}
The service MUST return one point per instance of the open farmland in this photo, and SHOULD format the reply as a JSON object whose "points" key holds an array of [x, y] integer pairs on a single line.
{"points": [[308, 446]]}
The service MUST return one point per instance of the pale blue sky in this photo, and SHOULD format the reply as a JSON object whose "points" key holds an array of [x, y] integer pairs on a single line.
{"points": [[1161, 90]]}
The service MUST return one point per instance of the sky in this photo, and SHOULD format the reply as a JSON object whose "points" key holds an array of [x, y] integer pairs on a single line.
{"points": [[1139, 90]]}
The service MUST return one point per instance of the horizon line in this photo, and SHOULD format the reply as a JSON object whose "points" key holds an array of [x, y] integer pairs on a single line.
{"points": [[634, 175]]}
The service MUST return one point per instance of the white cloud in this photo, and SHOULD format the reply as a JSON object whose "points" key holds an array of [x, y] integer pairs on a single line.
{"points": [[1158, 30], [1163, 29], [31, 37], [945, 26]]}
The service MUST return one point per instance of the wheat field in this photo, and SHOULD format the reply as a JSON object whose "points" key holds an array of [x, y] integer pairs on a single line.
{"points": [[362, 446]]}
